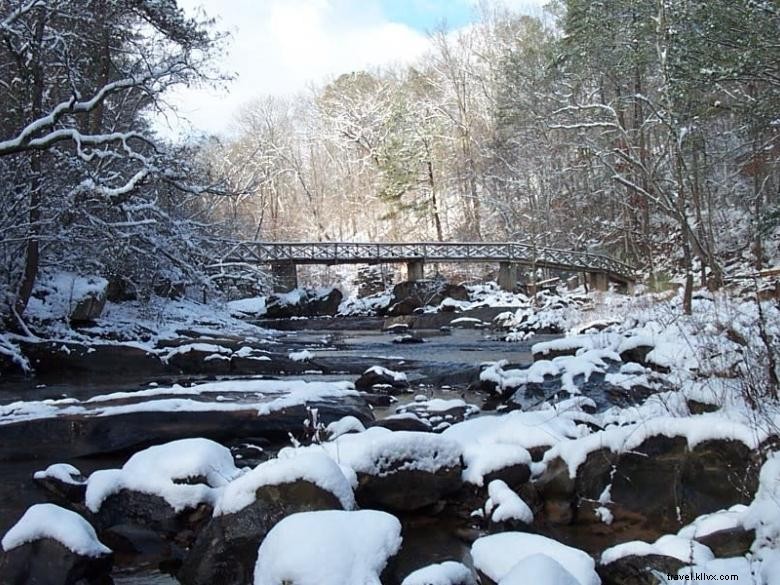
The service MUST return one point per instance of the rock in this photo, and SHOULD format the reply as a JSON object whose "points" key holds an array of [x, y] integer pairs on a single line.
{"points": [[379, 376], [138, 547], [407, 339], [637, 354], [150, 511], [405, 490], [120, 289], [639, 570], [404, 423], [403, 307], [64, 484], [73, 436], [303, 303], [53, 359], [730, 542], [225, 551], [327, 304], [89, 307], [50, 545], [696, 407], [656, 488], [48, 562], [515, 476]]}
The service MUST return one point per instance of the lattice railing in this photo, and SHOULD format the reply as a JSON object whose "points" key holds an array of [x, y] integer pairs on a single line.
{"points": [[355, 253]]}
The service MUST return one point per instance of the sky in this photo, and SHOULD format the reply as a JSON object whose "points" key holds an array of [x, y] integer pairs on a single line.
{"points": [[281, 47]]}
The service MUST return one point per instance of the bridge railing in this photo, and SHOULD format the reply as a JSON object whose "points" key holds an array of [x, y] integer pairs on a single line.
{"points": [[358, 252]]}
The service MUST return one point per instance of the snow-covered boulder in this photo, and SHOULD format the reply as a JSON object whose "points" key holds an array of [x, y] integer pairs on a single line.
{"points": [[440, 413], [379, 376], [634, 475], [399, 471], [539, 568], [63, 482], [159, 487], [446, 573], [497, 555], [53, 546], [248, 508], [328, 548]]}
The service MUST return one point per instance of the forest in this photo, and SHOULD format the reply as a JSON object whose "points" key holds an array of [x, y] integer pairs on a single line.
{"points": [[645, 130]]}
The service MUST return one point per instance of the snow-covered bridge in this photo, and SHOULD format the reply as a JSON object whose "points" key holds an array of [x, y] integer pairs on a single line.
{"points": [[283, 257]]}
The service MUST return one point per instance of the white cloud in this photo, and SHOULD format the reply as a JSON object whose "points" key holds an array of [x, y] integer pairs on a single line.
{"points": [[279, 46]]}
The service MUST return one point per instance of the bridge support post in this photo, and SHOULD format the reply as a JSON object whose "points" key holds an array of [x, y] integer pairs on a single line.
{"points": [[507, 276], [598, 281], [285, 277], [415, 270]]}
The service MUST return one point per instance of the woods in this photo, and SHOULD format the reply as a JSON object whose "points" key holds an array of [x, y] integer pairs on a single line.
{"points": [[648, 131]]}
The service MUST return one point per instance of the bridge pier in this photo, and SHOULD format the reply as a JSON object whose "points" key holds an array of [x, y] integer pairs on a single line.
{"points": [[285, 277], [507, 276], [415, 270], [598, 281]]}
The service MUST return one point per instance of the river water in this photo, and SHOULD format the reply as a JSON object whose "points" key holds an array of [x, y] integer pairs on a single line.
{"points": [[439, 357]]}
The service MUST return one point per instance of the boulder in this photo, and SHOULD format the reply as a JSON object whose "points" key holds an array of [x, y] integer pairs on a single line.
{"points": [[303, 303], [152, 512], [405, 490], [655, 488], [382, 377], [48, 562], [639, 570], [225, 551], [63, 483], [139, 547], [83, 435], [729, 542], [50, 545]]}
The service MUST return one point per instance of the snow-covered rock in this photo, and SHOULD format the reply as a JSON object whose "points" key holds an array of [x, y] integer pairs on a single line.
{"points": [[446, 573], [504, 505], [55, 546], [225, 550], [380, 376], [498, 554], [539, 568], [50, 521], [328, 548]]}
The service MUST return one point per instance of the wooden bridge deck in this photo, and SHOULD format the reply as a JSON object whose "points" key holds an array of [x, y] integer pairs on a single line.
{"points": [[329, 253]]}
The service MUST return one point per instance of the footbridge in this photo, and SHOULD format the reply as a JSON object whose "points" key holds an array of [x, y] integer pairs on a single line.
{"points": [[284, 257]]}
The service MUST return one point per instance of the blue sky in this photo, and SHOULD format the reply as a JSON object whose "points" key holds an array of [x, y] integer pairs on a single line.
{"points": [[426, 15]]}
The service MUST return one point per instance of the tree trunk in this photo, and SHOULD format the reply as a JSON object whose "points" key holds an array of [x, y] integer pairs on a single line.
{"points": [[32, 246]]}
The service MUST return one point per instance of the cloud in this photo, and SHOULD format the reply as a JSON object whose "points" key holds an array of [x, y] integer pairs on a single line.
{"points": [[279, 46]]}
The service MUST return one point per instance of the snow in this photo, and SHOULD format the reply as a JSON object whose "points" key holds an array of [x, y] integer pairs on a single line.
{"points": [[564, 344], [503, 504], [255, 306], [715, 522], [50, 521], [63, 472], [328, 548], [379, 451], [264, 396], [57, 293], [541, 569], [155, 471], [497, 555], [446, 573], [346, 424], [301, 356], [313, 467], [670, 545], [763, 515], [490, 443], [621, 439], [386, 373]]}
